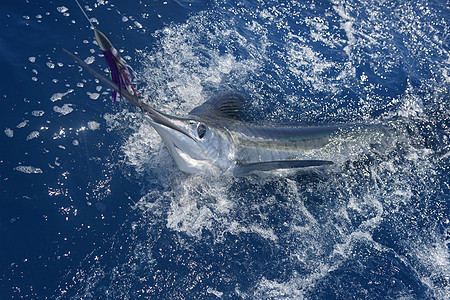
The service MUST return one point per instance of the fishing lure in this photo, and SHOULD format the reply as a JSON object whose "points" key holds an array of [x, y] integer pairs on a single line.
{"points": [[118, 68]]}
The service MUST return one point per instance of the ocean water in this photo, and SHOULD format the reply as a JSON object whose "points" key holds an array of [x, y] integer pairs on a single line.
{"points": [[93, 206]]}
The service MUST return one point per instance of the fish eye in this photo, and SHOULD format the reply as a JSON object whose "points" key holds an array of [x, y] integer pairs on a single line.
{"points": [[201, 130]]}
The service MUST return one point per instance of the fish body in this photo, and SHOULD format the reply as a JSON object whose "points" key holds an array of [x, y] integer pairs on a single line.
{"points": [[218, 144], [212, 139], [237, 148]]}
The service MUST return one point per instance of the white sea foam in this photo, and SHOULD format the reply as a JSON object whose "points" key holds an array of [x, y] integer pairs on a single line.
{"points": [[321, 220], [214, 292], [412, 104]]}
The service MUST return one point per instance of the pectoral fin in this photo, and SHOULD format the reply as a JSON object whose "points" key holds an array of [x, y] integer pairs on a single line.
{"points": [[283, 164]]}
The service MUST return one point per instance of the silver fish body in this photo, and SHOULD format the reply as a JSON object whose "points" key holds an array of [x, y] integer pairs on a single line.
{"points": [[212, 139], [222, 146]]}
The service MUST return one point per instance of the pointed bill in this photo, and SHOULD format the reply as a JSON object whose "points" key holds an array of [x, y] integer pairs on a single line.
{"points": [[156, 116]]}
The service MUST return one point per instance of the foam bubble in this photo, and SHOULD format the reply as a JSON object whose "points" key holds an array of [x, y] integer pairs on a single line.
{"points": [[22, 124], [89, 60], [9, 132], [63, 110], [93, 96], [92, 125], [62, 9], [33, 135], [28, 170], [38, 113], [59, 96]]}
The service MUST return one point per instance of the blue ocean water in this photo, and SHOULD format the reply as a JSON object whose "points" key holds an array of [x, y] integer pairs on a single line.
{"points": [[94, 207]]}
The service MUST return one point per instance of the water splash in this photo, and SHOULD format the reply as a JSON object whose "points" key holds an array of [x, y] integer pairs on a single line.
{"points": [[362, 228]]}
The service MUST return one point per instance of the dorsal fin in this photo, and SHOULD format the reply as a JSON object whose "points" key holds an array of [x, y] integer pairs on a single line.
{"points": [[226, 105]]}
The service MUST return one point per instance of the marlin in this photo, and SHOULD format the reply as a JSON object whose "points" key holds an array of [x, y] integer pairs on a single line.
{"points": [[212, 139]]}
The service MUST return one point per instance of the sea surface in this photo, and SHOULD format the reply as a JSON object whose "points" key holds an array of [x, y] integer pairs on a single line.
{"points": [[92, 205]]}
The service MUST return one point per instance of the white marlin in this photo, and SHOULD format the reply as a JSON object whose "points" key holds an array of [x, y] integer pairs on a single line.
{"points": [[212, 139]]}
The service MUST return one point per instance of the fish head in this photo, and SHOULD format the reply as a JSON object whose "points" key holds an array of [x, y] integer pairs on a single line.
{"points": [[195, 145]]}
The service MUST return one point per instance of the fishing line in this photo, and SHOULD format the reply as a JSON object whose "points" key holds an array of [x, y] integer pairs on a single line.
{"points": [[119, 72], [85, 14]]}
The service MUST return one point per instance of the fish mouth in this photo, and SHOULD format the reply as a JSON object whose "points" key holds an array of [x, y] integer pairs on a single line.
{"points": [[161, 119]]}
